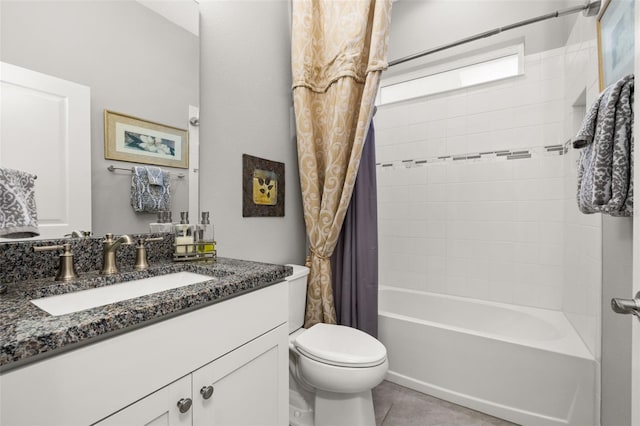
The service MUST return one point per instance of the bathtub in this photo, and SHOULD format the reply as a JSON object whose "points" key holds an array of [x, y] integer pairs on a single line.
{"points": [[525, 365]]}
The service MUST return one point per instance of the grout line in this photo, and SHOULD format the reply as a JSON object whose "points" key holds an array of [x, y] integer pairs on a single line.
{"points": [[384, 419]]}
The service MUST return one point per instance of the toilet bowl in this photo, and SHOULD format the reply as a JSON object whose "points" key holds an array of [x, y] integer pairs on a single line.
{"points": [[332, 367]]}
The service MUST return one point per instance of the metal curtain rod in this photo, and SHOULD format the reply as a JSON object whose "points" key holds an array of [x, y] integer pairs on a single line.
{"points": [[589, 9], [113, 169]]}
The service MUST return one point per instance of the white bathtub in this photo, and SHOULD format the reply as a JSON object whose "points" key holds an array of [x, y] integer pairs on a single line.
{"points": [[521, 364]]}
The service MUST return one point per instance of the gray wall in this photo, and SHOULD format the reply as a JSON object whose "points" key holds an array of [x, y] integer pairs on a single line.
{"points": [[418, 25], [246, 109], [135, 62]]}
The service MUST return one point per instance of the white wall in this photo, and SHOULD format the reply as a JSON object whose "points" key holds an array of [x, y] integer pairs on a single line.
{"points": [[246, 109], [583, 239], [487, 228]]}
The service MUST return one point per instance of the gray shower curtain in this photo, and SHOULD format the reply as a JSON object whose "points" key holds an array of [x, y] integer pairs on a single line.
{"points": [[354, 262]]}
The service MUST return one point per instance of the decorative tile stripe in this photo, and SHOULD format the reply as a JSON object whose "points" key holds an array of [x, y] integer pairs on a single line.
{"points": [[498, 154], [518, 156]]}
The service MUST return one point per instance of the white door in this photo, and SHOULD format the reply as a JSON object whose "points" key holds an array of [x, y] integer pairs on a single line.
{"points": [[194, 160], [169, 406], [245, 387], [635, 333], [45, 129]]}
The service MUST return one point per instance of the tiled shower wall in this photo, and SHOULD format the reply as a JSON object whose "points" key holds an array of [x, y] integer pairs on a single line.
{"points": [[490, 228], [583, 233]]}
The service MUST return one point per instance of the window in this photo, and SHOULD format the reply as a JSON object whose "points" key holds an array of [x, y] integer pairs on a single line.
{"points": [[497, 65]]}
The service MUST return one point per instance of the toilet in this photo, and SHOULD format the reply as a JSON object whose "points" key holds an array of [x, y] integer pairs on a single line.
{"points": [[332, 368]]}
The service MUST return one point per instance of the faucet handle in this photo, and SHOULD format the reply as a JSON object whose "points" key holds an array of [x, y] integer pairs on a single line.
{"points": [[67, 270], [141, 253]]}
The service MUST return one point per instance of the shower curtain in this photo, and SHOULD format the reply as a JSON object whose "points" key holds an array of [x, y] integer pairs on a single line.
{"points": [[354, 262], [338, 53]]}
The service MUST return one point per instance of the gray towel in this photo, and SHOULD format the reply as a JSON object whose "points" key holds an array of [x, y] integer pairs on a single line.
{"points": [[605, 168], [150, 189], [18, 215]]}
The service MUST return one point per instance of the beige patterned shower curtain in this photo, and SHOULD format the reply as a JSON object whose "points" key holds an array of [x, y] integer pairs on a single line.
{"points": [[339, 50]]}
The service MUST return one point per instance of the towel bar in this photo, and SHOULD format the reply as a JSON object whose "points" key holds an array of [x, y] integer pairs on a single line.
{"points": [[113, 169]]}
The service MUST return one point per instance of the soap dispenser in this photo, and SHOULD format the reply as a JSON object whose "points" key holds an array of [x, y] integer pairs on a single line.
{"points": [[184, 235], [206, 242]]}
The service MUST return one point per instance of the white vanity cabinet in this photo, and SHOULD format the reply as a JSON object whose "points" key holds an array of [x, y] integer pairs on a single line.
{"points": [[159, 408], [240, 389], [239, 347]]}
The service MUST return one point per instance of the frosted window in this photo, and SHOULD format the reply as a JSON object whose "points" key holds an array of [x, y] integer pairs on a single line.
{"points": [[458, 78]]}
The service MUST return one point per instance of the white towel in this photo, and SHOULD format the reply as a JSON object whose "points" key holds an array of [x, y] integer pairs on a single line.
{"points": [[150, 189], [18, 214]]}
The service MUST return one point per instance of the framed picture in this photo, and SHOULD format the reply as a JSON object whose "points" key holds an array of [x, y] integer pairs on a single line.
{"points": [[615, 41], [262, 187], [133, 139]]}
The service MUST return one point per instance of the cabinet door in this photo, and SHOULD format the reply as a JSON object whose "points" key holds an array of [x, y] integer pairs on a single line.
{"points": [[158, 409], [250, 385]]}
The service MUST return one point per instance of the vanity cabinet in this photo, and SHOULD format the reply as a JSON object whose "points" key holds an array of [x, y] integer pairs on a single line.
{"points": [[159, 408], [239, 346], [238, 389]]}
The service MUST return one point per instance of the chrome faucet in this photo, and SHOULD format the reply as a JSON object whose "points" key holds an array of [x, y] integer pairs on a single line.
{"points": [[109, 248]]}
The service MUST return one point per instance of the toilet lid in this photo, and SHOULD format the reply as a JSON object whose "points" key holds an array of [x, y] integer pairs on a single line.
{"points": [[341, 346]]}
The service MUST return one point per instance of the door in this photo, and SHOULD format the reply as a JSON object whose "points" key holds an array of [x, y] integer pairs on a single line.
{"points": [[194, 160], [169, 406], [635, 332], [624, 335], [245, 387], [45, 130]]}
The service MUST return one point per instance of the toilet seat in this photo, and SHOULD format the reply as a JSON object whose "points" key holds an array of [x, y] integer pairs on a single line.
{"points": [[340, 346]]}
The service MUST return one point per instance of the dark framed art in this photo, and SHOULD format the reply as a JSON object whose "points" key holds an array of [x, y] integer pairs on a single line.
{"points": [[262, 187]]}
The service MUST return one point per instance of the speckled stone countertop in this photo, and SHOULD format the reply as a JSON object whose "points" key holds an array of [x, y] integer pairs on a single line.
{"points": [[28, 333]]}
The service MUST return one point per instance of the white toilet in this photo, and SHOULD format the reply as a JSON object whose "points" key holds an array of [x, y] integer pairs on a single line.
{"points": [[332, 368]]}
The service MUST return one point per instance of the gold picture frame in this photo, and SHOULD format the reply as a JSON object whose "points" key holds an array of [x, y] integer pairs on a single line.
{"points": [[615, 27], [133, 139]]}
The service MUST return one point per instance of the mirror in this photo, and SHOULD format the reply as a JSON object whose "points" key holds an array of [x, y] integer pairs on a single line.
{"points": [[139, 58]]}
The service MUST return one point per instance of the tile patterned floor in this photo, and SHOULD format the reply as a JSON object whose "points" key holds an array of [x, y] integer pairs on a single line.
{"points": [[396, 405]]}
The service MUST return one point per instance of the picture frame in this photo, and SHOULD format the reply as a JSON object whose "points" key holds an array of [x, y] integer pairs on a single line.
{"points": [[615, 28], [133, 139], [263, 187]]}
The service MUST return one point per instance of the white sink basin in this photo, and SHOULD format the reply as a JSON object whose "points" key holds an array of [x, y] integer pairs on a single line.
{"points": [[80, 300]]}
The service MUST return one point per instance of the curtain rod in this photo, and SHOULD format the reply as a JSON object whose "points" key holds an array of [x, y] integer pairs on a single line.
{"points": [[589, 9]]}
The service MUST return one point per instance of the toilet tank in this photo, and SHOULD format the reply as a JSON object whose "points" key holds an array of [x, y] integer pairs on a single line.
{"points": [[297, 296]]}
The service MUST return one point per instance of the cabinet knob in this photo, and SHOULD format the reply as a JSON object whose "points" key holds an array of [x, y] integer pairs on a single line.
{"points": [[184, 405], [206, 391]]}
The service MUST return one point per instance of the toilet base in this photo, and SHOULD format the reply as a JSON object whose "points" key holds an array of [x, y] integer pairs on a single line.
{"points": [[300, 411], [333, 409]]}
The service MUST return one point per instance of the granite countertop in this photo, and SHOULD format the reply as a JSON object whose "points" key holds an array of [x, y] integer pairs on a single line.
{"points": [[28, 333]]}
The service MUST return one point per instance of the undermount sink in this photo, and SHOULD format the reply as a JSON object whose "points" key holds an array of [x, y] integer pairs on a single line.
{"points": [[80, 300]]}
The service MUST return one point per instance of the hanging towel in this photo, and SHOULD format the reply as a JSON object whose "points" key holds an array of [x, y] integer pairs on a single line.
{"points": [[605, 167], [18, 215], [150, 189]]}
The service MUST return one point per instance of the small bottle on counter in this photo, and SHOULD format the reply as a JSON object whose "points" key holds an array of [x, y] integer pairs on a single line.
{"points": [[206, 243], [184, 234]]}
